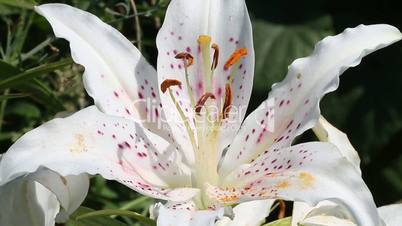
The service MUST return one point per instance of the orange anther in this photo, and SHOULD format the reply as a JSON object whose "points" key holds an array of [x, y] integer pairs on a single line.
{"points": [[235, 57], [216, 56], [168, 83], [228, 101]]}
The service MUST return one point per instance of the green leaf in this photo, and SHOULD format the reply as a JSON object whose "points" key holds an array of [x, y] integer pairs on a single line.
{"points": [[88, 217], [277, 45], [41, 93], [36, 89], [24, 109], [6, 10], [26, 4], [95, 221], [125, 213], [33, 72], [7, 69], [12, 96], [281, 222]]}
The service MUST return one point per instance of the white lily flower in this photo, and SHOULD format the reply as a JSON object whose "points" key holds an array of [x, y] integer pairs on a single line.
{"points": [[148, 129], [327, 213]]}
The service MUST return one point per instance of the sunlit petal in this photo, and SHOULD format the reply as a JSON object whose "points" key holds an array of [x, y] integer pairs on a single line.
{"points": [[92, 142], [292, 105], [116, 75], [309, 172], [184, 215]]}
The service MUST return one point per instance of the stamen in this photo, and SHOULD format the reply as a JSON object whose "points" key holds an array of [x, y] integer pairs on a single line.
{"points": [[188, 61], [216, 56], [228, 101], [186, 57], [168, 83], [166, 86], [235, 57], [202, 100]]}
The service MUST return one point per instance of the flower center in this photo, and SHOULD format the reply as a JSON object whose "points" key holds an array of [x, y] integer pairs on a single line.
{"points": [[209, 113]]}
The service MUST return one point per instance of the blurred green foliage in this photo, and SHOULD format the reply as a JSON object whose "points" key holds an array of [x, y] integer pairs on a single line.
{"points": [[38, 79]]}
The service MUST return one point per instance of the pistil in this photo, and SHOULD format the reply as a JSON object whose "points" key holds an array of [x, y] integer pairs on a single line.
{"points": [[205, 42]]}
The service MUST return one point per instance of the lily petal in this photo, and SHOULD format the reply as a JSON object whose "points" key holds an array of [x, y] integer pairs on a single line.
{"points": [[325, 213], [391, 214], [169, 215], [116, 76], [92, 142], [27, 203], [326, 221], [252, 213], [293, 104], [309, 172], [185, 21], [70, 191], [329, 133], [330, 214]]}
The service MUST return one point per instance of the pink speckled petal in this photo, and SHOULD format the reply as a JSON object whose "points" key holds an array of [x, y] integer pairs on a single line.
{"points": [[293, 104], [91, 142], [185, 21], [309, 172], [116, 76]]}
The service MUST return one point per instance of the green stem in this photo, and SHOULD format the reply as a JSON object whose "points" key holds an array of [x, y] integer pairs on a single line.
{"points": [[138, 31], [135, 203], [3, 108], [126, 213], [34, 72]]}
